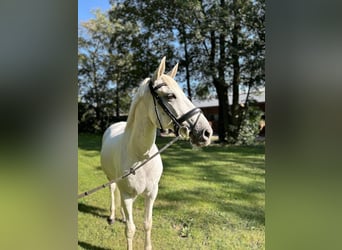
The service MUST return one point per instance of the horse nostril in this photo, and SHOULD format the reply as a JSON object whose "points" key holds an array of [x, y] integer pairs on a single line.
{"points": [[206, 134]]}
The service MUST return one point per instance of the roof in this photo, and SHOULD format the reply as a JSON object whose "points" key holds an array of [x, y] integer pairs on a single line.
{"points": [[258, 96]]}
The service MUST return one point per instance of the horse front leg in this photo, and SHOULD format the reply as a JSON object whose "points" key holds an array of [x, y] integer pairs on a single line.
{"points": [[149, 201], [111, 218], [130, 227]]}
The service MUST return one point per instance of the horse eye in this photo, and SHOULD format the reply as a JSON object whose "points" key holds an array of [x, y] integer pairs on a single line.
{"points": [[170, 96]]}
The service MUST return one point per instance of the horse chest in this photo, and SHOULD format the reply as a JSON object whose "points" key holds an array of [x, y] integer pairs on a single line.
{"points": [[144, 180], [133, 184]]}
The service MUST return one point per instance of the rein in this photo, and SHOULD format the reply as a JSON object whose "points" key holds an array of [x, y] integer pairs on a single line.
{"points": [[131, 171]]}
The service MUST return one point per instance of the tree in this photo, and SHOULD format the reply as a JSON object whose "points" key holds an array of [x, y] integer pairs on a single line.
{"points": [[233, 45], [158, 36], [93, 61], [105, 65], [221, 43]]}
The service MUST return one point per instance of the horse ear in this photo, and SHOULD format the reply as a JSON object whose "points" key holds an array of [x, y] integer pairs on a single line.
{"points": [[160, 69], [173, 72]]}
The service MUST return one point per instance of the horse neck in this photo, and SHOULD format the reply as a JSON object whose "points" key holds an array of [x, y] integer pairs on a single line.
{"points": [[140, 132]]}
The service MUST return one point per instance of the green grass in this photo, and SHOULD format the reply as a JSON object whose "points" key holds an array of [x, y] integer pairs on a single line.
{"points": [[209, 198]]}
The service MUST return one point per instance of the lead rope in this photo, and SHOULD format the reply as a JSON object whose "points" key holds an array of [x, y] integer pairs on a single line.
{"points": [[130, 171]]}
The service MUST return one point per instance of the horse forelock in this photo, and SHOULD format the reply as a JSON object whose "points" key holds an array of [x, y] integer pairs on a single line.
{"points": [[171, 83]]}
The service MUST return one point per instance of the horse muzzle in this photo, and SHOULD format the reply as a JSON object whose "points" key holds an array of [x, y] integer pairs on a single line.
{"points": [[201, 138]]}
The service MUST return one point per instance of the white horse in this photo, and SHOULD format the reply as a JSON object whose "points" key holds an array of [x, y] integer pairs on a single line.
{"points": [[158, 103]]}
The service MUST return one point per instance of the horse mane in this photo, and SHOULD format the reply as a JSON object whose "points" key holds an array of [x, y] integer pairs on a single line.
{"points": [[137, 97]]}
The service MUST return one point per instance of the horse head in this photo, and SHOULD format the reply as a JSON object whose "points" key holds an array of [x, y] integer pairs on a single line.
{"points": [[173, 110]]}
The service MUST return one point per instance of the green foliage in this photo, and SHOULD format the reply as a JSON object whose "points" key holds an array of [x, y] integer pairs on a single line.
{"points": [[250, 126], [105, 74], [209, 198]]}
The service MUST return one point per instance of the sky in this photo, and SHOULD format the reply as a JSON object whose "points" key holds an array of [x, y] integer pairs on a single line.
{"points": [[85, 7]]}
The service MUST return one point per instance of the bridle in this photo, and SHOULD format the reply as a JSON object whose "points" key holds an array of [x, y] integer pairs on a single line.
{"points": [[179, 129]]}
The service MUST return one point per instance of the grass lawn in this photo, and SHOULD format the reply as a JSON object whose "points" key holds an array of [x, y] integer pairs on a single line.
{"points": [[209, 198]]}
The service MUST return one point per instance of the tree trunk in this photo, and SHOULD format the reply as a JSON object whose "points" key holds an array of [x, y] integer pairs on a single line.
{"points": [[117, 101], [222, 93], [187, 71], [220, 84], [187, 60], [235, 109]]}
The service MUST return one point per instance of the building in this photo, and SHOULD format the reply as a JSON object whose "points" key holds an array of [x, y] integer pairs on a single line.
{"points": [[211, 111]]}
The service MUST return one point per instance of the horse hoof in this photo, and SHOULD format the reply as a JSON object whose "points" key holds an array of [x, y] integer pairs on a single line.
{"points": [[110, 221]]}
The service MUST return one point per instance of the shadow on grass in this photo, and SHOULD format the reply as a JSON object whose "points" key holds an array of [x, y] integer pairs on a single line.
{"points": [[84, 208], [89, 142], [196, 197], [88, 246], [247, 213], [99, 168]]}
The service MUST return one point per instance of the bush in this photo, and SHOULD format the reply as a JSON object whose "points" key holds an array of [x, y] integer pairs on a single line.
{"points": [[250, 126], [88, 122]]}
